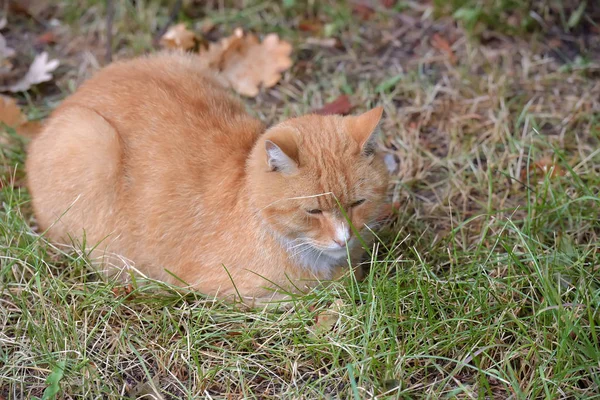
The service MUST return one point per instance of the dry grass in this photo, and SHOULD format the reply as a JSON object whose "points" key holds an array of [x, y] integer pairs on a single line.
{"points": [[486, 285]]}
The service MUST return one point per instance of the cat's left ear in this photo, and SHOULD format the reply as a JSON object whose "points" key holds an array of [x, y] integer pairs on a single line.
{"points": [[363, 127]]}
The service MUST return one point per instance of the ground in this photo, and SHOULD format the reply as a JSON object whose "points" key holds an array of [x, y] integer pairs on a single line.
{"points": [[485, 282]]}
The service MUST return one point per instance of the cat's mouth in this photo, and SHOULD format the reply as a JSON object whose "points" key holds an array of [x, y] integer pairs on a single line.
{"points": [[335, 251], [339, 253]]}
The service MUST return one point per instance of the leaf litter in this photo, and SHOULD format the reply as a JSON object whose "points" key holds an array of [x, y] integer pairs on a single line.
{"points": [[242, 61], [340, 106], [40, 71], [178, 37], [12, 116]]}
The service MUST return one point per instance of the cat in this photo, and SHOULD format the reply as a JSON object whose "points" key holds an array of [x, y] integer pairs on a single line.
{"points": [[153, 161]]}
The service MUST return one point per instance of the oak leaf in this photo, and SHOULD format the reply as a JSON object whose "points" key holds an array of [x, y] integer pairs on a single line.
{"points": [[325, 320], [11, 116], [246, 63], [341, 106], [178, 37], [444, 46], [363, 11], [39, 71]]}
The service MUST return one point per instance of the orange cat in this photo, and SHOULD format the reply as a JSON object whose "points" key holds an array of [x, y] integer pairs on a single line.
{"points": [[152, 160]]}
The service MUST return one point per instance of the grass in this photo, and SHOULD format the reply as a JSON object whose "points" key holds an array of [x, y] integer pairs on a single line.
{"points": [[486, 284]]}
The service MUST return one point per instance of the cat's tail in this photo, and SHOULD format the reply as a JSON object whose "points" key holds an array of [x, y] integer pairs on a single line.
{"points": [[73, 169]]}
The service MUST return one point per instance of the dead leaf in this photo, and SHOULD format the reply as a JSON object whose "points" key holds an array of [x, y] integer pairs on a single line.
{"points": [[46, 38], [341, 106], [307, 25], [388, 3], [363, 11], [124, 291], [543, 167], [246, 63], [178, 37], [39, 71], [443, 45], [326, 320], [11, 115]]}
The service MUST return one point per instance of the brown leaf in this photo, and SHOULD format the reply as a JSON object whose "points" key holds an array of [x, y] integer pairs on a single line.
{"points": [[547, 166], [246, 63], [539, 169], [178, 37], [388, 3], [341, 106], [326, 320], [46, 38], [11, 115], [363, 11], [443, 45], [308, 25], [119, 291]]}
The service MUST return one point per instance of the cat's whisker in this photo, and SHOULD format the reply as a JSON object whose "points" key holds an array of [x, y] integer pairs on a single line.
{"points": [[298, 245], [296, 198]]}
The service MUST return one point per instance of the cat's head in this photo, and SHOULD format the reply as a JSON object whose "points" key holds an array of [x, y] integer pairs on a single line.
{"points": [[305, 170]]}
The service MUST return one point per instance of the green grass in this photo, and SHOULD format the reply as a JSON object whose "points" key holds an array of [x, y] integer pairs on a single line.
{"points": [[485, 285]]}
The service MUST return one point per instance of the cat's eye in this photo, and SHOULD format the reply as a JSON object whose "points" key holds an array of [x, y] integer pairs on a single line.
{"points": [[357, 203], [314, 211]]}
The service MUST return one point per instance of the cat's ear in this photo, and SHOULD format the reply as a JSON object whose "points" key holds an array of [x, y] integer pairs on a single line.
{"points": [[278, 160], [363, 128]]}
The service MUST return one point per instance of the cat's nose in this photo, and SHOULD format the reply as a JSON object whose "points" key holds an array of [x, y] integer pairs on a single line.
{"points": [[342, 235], [341, 243]]}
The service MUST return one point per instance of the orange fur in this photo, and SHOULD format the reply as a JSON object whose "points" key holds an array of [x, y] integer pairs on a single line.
{"points": [[155, 161]]}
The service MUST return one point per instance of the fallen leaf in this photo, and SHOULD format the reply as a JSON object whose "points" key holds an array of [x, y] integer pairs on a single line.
{"points": [[246, 63], [39, 71], [178, 37], [46, 38], [215, 55], [308, 25], [11, 115], [341, 106], [547, 166], [443, 45], [363, 11], [388, 3], [326, 320], [119, 291]]}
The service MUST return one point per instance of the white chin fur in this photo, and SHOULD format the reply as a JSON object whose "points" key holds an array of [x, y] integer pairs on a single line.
{"points": [[336, 254]]}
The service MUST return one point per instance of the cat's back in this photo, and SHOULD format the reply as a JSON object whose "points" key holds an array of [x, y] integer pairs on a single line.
{"points": [[141, 137], [167, 95]]}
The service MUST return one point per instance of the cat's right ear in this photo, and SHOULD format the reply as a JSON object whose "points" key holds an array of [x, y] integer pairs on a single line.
{"points": [[278, 160]]}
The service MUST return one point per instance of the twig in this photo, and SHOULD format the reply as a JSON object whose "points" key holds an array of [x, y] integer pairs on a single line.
{"points": [[109, 23], [172, 18]]}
